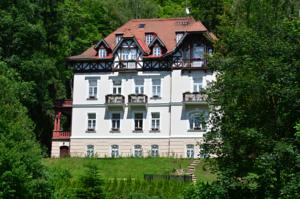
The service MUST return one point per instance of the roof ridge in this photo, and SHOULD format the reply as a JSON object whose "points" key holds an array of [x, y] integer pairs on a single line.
{"points": [[163, 19]]}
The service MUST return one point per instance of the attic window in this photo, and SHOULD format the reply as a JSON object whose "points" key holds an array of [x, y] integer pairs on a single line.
{"points": [[149, 38], [157, 51], [141, 25], [178, 36], [102, 53], [118, 37]]}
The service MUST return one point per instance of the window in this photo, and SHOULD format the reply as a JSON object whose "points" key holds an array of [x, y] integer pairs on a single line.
{"points": [[139, 87], [154, 150], [156, 88], [117, 87], [198, 51], [102, 53], [178, 36], [138, 151], [91, 121], [149, 38], [138, 121], [155, 121], [115, 121], [92, 88], [190, 151], [90, 150], [198, 121], [114, 151], [197, 85], [118, 38], [156, 51], [129, 54]]}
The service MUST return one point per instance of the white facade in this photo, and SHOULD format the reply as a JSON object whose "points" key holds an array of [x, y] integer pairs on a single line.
{"points": [[174, 133]]}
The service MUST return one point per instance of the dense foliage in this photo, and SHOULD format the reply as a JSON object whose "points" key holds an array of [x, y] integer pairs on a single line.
{"points": [[256, 100]]}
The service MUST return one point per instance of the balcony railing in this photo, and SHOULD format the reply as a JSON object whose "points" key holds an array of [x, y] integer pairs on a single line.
{"points": [[194, 98], [67, 103], [115, 100], [137, 99], [127, 65], [190, 63], [61, 135]]}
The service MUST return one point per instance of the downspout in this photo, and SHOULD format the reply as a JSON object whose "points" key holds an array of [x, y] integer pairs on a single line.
{"points": [[170, 112]]}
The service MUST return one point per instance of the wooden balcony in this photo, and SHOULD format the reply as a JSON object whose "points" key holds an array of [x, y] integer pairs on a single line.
{"points": [[61, 135], [115, 100], [63, 104], [137, 100], [127, 66], [195, 98], [190, 64]]}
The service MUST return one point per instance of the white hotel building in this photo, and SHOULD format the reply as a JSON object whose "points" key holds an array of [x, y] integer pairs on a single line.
{"points": [[139, 92]]}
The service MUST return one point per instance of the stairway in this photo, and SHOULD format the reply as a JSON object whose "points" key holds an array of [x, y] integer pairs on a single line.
{"points": [[191, 169]]}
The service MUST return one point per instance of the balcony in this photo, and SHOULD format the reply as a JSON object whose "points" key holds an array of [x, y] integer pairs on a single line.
{"points": [[115, 100], [137, 100], [127, 66], [63, 104], [195, 98], [190, 64], [61, 135]]}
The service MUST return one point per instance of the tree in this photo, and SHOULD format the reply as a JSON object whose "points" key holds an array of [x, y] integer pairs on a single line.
{"points": [[91, 184], [255, 98], [21, 172]]}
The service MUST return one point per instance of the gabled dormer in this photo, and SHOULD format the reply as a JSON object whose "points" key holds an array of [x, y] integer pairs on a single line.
{"points": [[102, 49], [149, 36], [157, 47]]}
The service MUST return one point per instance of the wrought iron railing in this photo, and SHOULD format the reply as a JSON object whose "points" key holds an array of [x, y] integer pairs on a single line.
{"points": [[114, 99], [194, 97], [137, 99]]}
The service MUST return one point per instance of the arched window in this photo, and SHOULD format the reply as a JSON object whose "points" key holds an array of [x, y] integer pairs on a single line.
{"points": [[114, 151], [102, 53], [190, 151], [90, 150], [198, 120], [138, 151], [154, 150]]}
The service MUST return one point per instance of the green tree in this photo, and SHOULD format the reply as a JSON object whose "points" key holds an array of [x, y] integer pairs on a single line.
{"points": [[21, 172], [91, 183], [255, 98]]}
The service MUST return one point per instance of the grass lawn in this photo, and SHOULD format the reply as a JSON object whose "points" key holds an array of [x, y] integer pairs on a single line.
{"points": [[128, 167], [202, 172]]}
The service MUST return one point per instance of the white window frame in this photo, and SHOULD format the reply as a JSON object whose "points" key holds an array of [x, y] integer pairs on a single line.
{"points": [[117, 87], [115, 121], [148, 38], [154, 150], [118, 38], [156, 87], [190, 151], [90, 150], [92, 88], [155, 121], [139, 87], [137, 152], [179, 35], [102, 52], [128, 54], [157, 51], [134, 119], [114, 151], [91, 122], [197, 47], [200, 125], [197, 85]]}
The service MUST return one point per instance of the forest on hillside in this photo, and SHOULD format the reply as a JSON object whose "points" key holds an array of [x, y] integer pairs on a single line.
{"points": [[256, 96]]}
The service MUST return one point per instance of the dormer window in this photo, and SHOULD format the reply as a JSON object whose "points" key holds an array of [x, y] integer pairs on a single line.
{"points": [[118, 37], [157, 51], [148, 38], [179, 35], [102, 53]]}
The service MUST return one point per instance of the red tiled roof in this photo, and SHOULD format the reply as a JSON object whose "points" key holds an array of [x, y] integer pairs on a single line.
{"points": [[165, 29]]}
